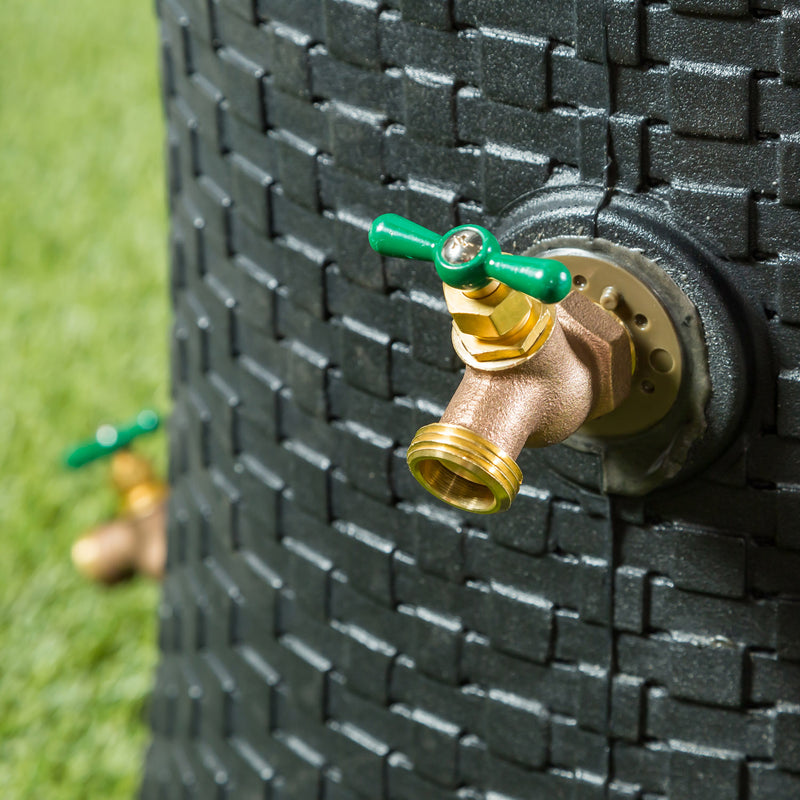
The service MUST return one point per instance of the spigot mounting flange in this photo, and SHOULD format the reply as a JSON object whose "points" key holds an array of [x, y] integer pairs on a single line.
{"points": [[658, 357]]}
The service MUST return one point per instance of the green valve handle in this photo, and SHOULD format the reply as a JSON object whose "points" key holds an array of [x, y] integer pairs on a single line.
{"points": [[109, 438], [469, 256]]}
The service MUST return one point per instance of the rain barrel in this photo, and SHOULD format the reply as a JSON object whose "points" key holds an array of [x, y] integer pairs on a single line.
{"points": [[330, 631]]}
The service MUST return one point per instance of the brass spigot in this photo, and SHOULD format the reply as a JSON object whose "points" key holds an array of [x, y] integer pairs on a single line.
{"points": [[540, 361], [135, 541]]}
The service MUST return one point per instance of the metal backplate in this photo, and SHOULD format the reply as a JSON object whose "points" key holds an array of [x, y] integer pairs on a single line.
{"points": [[635, 241], [658, 360], [645, 441]]}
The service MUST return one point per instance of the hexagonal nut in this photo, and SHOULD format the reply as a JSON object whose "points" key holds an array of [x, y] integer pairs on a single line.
{"points": [[489, 355], [603, 343], [491, 316]]}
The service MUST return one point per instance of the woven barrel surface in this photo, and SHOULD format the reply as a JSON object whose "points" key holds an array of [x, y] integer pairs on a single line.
{"points": [[328, 630]]}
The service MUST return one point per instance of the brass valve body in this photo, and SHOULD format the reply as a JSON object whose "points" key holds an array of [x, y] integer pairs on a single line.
{"points": [[136, 540], [578, 366]]}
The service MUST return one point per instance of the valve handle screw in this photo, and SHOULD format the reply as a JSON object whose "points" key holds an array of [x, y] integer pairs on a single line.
{"points": [[458, 248]]}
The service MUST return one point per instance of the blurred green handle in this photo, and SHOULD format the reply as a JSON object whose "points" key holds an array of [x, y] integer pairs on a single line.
{"points": [[109, 438]]}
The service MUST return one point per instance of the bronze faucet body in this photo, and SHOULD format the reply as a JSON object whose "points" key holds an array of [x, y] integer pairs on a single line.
{"points": [[543, 399], [578, 368]]}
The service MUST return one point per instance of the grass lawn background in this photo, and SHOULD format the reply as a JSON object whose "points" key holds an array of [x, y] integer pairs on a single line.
{"points": [[83, 340]]}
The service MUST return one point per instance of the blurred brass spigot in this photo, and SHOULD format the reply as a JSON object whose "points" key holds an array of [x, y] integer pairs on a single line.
{"points": [[540, 361], [135, 541]]}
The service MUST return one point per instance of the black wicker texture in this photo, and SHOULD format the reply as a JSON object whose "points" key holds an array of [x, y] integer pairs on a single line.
{"points": [[328, 630]]}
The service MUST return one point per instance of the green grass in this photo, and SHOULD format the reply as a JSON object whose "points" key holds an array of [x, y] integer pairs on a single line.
{"points": [[83, 339]]}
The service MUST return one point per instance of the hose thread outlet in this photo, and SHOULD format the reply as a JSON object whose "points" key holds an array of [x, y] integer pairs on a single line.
{"points": [[463, 469]]}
